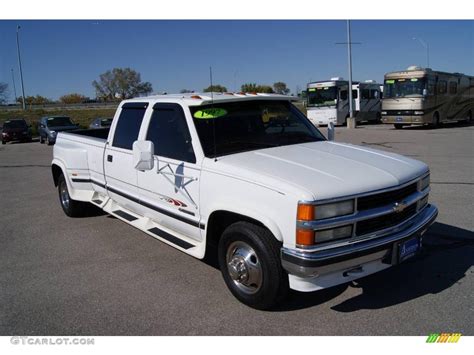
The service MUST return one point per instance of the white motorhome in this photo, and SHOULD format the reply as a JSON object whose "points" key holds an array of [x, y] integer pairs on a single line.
{"points": [[424, 96], [328, 101]]}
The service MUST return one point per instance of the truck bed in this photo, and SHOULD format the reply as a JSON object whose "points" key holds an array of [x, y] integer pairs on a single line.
{"points": [[102, 133]]}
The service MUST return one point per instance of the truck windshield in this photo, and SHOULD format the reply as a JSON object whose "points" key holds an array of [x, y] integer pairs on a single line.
{"points": [[59, 121], [410, 87], [251, 125], [322, 96]]}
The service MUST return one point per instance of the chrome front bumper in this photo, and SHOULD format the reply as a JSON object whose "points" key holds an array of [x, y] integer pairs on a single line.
{"points": [[312, 263]]}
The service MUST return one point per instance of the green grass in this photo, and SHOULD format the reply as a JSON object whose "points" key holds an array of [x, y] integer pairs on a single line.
{"points": [[83, 117]]}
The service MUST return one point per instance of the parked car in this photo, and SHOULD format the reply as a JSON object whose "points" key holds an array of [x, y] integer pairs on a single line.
{"points": [[49, 127], [249, 178], [16, 130], [101, 123]]}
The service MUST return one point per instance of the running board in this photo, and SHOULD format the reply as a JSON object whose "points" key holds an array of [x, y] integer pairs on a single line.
{"points": [[125, 215], [170, 238]]}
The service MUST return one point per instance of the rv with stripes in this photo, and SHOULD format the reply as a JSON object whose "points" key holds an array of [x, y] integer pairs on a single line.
{"points": [[419, 96]]}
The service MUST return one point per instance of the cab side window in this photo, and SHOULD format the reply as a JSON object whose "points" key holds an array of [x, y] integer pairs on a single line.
{"points": [[128, 125], [169, 133]]}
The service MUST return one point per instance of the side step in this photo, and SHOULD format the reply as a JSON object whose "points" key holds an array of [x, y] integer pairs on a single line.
{"points": [[125, 215], [170, 238]]}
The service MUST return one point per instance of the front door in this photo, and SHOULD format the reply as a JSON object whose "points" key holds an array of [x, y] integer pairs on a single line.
{"points": [[169, 193]]}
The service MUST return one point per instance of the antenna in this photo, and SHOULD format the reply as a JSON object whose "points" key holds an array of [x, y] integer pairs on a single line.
{"points": [[214, 120]]}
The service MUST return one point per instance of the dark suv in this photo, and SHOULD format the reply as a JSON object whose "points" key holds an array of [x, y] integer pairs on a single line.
{"points": [[16, 130], [49, 127]]}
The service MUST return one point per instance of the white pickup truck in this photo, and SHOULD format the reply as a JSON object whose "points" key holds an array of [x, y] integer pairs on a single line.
{"points": [[247, 176]]}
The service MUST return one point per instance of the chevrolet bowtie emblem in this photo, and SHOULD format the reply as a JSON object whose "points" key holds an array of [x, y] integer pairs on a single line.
{"points": [[399, 206]]}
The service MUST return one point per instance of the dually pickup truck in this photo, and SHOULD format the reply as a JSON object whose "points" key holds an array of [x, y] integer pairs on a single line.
{"points": [[249, 178]]}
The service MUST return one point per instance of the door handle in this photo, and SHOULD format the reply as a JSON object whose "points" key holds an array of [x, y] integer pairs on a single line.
{"points": [[110, 158]]}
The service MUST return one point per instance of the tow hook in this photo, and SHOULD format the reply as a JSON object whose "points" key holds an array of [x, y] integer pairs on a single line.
{"points": [[352, 272]]}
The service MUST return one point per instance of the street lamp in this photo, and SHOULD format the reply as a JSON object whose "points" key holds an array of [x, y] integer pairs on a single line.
{"points": [[14, 86], [351, 121], [19, 65], [427, 47]]}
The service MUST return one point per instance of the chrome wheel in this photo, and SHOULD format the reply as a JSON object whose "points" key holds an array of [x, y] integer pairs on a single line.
{"points": [[244, 267], [64, 195]]}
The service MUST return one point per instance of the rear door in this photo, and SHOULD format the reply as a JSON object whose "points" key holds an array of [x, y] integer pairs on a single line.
{"points": [[169, 193], [120, 174]]}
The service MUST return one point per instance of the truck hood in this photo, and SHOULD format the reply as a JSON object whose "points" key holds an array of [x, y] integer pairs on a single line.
{"points": [[321, 170]]}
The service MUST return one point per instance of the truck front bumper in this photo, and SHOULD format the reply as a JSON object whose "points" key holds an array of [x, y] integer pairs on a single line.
{"points": [[348, 260]]}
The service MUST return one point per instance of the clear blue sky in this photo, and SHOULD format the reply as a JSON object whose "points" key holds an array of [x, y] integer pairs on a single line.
{"points": [[66, 56]]}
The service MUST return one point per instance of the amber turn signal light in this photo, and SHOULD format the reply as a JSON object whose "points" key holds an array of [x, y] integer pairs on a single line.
{"points": [[305, 212], [304, 237]]}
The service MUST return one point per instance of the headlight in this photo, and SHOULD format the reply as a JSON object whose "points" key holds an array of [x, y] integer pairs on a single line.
{"points": [[53, 133], [383, 112], [334, 209], [308, 237], [424, 183], [332, 234], [421, 203], [310, 212], [419, 112]]}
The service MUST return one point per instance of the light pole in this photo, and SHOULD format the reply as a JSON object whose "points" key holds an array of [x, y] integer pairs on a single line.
{"points": [[427, 47], [19, 65], [351, 122], [14, 86]]}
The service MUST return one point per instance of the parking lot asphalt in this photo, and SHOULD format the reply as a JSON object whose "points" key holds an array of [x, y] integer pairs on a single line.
{"points": [[100, 276]]}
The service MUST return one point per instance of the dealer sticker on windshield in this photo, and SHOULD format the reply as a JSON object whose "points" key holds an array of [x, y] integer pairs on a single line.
{"points": [[210, 113]]}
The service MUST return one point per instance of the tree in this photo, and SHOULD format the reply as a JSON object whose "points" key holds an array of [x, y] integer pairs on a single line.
{"points": [[253, 87], [265, 89], [280, 88], [249, 87], [215, 88], [73, 98], [120, 83], [3, 92], [186, 91], [35, 100]]}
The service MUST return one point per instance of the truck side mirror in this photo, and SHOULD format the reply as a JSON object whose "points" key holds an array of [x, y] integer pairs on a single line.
{"points": [[143, 152], [425, 92], [376, 94]]}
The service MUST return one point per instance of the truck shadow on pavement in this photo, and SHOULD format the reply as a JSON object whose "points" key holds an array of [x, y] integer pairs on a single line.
{"points": [[447, 256]]}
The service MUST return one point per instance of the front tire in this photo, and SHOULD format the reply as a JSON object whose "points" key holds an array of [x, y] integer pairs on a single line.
{"points": [[398, 126], [41, 139], [249, 259], [71, 208], [48, 142]]}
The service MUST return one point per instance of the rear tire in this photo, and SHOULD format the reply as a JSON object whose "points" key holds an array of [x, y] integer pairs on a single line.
{"points": [[48, 142], [3, 142], [249, 259], [71, 208], [398, 126], [469, 117]]}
